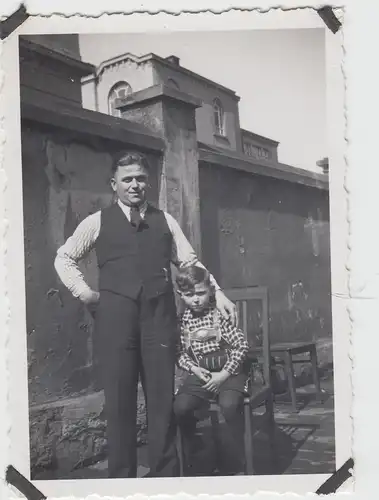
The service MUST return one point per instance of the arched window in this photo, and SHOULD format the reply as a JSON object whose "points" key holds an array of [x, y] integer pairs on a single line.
{"points": [[119, 90], [218, 117], [173, 83]]}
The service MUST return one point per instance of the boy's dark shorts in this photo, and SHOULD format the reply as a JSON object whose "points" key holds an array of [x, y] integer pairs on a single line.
{"points": [[193, 386]]}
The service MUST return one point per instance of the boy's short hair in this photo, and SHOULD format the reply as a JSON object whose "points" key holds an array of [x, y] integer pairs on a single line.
{"points": [[189, 276], [130, 158]]}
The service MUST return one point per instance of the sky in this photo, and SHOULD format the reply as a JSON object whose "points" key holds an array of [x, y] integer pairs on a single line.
{"points": [[278, 74]]}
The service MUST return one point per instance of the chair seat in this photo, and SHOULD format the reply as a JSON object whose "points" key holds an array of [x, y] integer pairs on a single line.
{"points": [[289, 346]]}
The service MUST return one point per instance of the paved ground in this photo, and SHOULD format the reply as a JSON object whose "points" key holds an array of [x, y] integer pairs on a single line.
{"points": [[305, 440]]}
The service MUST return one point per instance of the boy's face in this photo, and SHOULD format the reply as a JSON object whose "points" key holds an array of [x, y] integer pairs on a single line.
{"points": [[198, 298]]}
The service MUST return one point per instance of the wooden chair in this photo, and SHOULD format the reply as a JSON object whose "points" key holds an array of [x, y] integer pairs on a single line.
{"points": [[285, 352], [255, 324]]}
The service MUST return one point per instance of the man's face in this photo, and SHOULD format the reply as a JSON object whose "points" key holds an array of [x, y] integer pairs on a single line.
{"points": [[198, 298], [130, 183]]}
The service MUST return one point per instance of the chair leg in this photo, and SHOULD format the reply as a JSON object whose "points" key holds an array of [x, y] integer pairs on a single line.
{"points": [[316, 378], [272, 434], [248, 440], [181, 454], [291, 379], [215, 424]]}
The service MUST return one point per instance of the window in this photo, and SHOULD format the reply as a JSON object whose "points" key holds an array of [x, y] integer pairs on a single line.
{"points": [[257, 152], [218, 117], [118, 91]]}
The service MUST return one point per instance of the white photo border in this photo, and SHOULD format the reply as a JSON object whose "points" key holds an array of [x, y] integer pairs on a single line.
{"points": [[13, 309]]}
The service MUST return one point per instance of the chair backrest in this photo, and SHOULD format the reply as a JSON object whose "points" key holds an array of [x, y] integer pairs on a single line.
{"points": [[253, 305]]}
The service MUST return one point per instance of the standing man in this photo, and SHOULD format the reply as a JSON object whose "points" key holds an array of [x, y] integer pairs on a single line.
{"points": [[136, 323]]}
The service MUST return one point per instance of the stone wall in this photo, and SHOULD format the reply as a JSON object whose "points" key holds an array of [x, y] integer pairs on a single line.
{"points": [[64, 181], [70, 433], [263, 231], [59, 191]]}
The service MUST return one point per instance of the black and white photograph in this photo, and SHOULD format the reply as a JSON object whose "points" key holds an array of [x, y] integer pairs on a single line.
{"points": [[176, 218]]}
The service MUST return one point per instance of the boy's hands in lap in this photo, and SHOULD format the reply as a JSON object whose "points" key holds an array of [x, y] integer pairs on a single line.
{"points": [[216, 381], [202, 373]]}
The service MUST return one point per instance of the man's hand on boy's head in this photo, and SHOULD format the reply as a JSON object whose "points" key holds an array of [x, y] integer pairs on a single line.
{"points": [[226, 307]]}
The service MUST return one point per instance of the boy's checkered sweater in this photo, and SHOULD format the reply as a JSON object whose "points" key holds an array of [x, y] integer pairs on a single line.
{"points": [[233, 337]]}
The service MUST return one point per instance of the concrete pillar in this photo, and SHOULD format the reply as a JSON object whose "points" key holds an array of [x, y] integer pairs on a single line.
{"points": [[170, 113]]}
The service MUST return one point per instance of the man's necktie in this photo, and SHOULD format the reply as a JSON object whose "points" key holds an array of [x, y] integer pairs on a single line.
{"points": [[135, 216]]}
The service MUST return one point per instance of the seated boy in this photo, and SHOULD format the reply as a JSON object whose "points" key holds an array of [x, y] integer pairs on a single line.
{"points": [[213, 351]]}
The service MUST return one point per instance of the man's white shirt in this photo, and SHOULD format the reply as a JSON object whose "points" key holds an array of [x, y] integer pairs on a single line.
{"points": [[83, 241]]}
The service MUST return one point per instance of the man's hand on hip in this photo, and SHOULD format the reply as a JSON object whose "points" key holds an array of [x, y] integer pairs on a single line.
{"points": [[91, 301], [90, 297]]}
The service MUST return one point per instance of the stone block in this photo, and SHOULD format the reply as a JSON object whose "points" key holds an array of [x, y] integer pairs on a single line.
{"points": [[44, 433], [71, 433]]}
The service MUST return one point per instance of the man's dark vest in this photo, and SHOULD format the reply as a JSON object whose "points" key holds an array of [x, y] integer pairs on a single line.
{"points": [[132, 259]]}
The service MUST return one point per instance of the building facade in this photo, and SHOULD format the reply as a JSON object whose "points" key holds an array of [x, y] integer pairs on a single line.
{"points": [[217, 118]]}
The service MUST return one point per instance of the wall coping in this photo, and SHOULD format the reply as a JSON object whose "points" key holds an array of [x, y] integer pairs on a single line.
{"points": [[79, 66], [114, 61], [156, 93], [278, 170], [91, 123]]}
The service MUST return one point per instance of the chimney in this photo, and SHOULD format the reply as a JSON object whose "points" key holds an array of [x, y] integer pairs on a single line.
{"points": [[173, 60], [324, 164]]}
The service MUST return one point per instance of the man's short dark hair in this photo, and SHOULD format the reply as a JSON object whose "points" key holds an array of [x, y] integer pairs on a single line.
{"points": [[130, 158], [189, 276]]}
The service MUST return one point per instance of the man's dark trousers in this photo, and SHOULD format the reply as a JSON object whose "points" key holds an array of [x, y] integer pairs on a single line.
{"points": [[136, 337]]}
